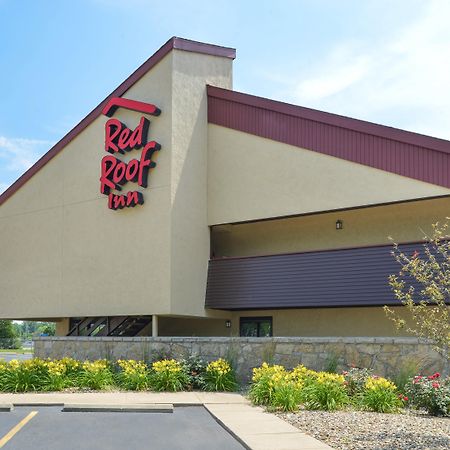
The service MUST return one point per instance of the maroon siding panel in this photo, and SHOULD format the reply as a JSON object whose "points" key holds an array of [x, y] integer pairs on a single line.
{"points": [[350, 277], [409, 154]]}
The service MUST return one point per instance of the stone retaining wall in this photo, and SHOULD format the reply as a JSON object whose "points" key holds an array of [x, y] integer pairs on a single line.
{"points": [[385, 355]]}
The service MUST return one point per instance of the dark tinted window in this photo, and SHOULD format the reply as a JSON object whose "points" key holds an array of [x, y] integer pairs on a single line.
{"points": [[256, 326]]}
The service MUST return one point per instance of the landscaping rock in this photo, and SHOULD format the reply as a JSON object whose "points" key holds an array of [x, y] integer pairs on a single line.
{"points": [[356, 430]]}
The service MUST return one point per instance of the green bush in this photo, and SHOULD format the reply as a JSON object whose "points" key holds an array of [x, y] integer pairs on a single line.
{"points": [[327, 392], [132, 375], [355, 380], [195, 369], [264, 380], [287, 395], [430, 393], [168, 375], [380, 395], [95, 375], [23, 376], [219, 376]]}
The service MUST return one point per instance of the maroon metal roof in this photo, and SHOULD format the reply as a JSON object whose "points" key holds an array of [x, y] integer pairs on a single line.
{"points": [[409, 154], [333, 278], [172, 43]]}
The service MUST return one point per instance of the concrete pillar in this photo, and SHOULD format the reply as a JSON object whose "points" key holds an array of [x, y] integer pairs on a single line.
{"points": [[154, 325], [62, 327]]}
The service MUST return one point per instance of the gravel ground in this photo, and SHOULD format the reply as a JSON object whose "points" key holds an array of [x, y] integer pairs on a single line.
{"points": [[356, 430]]}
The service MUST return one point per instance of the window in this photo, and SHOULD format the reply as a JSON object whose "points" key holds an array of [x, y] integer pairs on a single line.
{"points": [[255, 327]]}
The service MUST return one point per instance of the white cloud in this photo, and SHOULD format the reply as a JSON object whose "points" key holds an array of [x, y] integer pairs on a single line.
{"points": [[20, 154], [402, 79]]}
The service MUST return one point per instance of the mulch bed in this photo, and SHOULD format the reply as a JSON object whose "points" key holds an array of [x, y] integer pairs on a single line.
{"points": [[356, 430]]}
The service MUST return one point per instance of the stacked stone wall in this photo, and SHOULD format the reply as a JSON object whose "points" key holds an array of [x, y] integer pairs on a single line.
{"points": [[386, 356]]}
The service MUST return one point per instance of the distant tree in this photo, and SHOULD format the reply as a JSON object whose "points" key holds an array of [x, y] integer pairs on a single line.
{"points": [[427, 305], [47, 328], [8, 337]]}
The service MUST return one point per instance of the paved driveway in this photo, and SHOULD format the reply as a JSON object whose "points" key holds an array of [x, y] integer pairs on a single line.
{"points": [[8, 356], [50, 429]]}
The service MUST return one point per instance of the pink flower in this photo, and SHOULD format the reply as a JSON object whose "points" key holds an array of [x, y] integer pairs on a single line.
{"points": [[435, 385]]}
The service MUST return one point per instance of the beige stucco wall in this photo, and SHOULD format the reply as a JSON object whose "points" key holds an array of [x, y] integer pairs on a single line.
{"points": [[250, 178], [65, 254], [178, 326], [292, 322], [189, 235], [325, 322], [367, 226]]}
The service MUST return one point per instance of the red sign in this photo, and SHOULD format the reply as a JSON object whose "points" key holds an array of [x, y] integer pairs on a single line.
{"points": [[119, 139]]}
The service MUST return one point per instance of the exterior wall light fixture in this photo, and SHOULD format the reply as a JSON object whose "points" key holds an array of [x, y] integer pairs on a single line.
{"points": [[228, 323], [339, 224]]}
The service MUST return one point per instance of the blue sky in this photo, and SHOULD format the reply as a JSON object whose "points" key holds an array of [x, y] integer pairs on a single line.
{"points": [[382, 61]]}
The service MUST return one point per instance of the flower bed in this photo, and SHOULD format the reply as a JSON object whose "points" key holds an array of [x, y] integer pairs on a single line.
{"points": [[288, 390], [164, 375]]}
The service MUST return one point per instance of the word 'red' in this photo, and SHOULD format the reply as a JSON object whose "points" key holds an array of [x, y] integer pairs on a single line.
{"points": [[120, 139]]}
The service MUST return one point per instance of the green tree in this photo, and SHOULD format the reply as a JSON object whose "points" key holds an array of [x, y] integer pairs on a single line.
{"points": [[427, 303], [47, 328], [8, 337]]}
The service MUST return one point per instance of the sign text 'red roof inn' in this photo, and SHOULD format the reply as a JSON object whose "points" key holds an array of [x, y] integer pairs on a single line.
{"points": [[120, 139]]}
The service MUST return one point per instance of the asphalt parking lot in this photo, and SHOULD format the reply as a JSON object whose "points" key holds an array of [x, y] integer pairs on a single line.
{"points": [[8, 356], [48, 428]]}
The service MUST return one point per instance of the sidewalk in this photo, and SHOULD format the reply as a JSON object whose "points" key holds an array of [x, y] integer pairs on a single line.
{"points": [[252, 426]]}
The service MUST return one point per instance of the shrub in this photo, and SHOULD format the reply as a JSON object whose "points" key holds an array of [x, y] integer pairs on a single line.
{"points": [[287, 395], [95, 375], [263, 383], [195, 369], [219, 376], [355, 380], [56, 379], [325, 392], [430, 393], [380, 395], [23, 376], [406, 370], [73, 369], [302, 375], [132, 375], [168, 375]]}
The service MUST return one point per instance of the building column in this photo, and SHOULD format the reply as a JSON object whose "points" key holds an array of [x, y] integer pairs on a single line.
{"points": [[154, 325]]}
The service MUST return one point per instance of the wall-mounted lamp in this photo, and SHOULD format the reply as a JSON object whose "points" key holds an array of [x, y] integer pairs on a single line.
{"points": [[339, 224], [228, 323]]}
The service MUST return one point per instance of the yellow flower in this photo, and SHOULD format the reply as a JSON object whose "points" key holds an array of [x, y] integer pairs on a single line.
{"points": [[379, 383], [220, 367], [167, 365]]}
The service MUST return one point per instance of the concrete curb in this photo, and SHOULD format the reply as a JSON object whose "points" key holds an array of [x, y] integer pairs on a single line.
{"points": [[6, 407], [89, 407]]}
